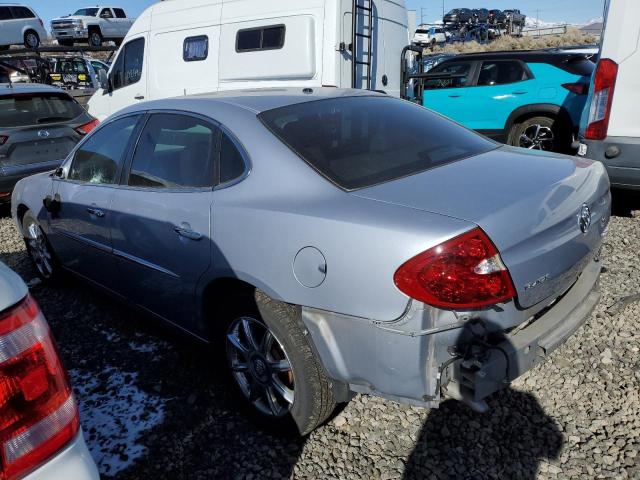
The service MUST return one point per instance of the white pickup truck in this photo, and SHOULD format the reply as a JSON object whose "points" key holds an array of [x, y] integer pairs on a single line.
{"points": [[93, 25]]}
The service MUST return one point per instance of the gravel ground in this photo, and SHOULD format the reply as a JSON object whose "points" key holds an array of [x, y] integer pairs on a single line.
{"points": [[153, 406]]}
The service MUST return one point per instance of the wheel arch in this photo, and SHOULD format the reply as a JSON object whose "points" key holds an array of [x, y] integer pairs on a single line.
{"points": [[20, 213], [534, 110], [27, 29]]}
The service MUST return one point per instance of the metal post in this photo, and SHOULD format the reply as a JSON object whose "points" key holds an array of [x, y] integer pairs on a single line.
{"points": [[354, 25]]}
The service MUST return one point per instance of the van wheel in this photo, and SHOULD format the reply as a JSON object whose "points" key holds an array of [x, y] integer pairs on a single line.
{"points": [[538, 133], [272, 365], [39, 248], [31, 39], [95, 38]]}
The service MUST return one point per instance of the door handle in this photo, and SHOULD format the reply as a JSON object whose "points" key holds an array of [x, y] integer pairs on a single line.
{"points": [[95, 211], [455, 96], [139, 97], [520, 92], [187, 233]]}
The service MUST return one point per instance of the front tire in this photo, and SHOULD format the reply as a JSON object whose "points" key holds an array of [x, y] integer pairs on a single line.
{"points": [[273, 366], [95, 38], [39, 249], [31, 39]]}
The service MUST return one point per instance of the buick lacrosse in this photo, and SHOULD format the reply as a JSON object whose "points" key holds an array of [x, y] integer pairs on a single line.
{"points": [[328, 242]]}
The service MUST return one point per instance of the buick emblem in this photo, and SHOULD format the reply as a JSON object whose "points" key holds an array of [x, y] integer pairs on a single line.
{"points": [[584, 218], [43, 133]]}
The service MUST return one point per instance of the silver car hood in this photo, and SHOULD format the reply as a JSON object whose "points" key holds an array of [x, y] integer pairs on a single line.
{"points": [[12, 288], [528, 203]]}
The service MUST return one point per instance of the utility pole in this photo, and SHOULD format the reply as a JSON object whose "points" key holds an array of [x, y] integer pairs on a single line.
{"points": [[442, 8], [538, 18], [422, 10]]}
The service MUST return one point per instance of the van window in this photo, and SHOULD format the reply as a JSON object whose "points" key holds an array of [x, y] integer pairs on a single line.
{"points": [[263, 38], [231, 162], [127, 68], [195, 48], [119, 13], [174, 151], [22, 12], [5, 13]]}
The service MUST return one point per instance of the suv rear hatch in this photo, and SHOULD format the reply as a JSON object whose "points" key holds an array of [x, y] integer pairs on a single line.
{"points": [[529, 204]]}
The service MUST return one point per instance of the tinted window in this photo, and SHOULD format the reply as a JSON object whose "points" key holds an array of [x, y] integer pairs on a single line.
{"points": [[97, 66], [501, 73], [361, 141], [119, 13], [22, 12], [70, 66], [580, 66], [5, 13], [422, 31], [37, 109], [97, 160], [87, 12], [195, 48], [128, 66], [106, 13], [231, 162], [265, 38], [174, 151], [448, 75]]}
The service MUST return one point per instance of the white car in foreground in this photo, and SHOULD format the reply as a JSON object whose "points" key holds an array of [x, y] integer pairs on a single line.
{"points": [[41, 436]]}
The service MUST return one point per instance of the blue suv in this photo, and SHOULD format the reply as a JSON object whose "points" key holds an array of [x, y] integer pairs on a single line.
{"points": [[531, 99]]}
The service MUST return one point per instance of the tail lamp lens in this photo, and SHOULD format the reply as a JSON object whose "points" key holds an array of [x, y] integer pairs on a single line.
{"points": [[600, 110], [38, 414], [87, 127], [577, 88], [463, 273]]}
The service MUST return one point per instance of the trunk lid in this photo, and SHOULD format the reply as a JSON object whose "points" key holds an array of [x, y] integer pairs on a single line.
{"points": [[42, 143], [528, 203]]}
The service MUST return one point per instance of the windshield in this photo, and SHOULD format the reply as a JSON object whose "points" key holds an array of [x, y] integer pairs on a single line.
{"points": [[22, 109], [422, 31], [356, 142], [455, 10], [87, 12]]}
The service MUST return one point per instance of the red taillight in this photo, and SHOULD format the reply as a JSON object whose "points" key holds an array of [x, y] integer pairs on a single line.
{"points": [[3, 139], [87, 127], [603, 86], [577, 88], [463, 273], [38, 414]]}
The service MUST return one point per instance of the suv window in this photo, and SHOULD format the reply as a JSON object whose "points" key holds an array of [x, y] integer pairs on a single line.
{"points": [[448, 75], [356, 142], [174, 151], [127, 69], [501, 72], [5, 13], [98, 159], [119, 13], [24, 109], [231, 162], [22, 12]]}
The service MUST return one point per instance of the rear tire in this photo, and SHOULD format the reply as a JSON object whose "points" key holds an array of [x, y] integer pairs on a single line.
{"points": [[31, 39], [540, 133], [293, 399], [39, 249]]}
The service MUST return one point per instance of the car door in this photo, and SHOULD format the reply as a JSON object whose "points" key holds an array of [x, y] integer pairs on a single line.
{"points": [[9, 32], [82, 193], [127, 77], [445, 89], [501, 87], [107, 23], [161, 228]]}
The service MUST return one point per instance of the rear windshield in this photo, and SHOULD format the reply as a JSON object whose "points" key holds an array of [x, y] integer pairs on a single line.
{"points": [[70, 66], [24, 109], [356, 142], [86, 12], [422, 31], [580, 66]]}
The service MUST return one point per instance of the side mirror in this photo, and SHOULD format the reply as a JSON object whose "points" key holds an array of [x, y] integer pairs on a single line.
{"points": [[58, 172], [104, 80]]}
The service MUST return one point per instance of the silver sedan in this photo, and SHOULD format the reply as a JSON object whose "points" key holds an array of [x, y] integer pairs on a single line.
{"points": [[328, 242]]}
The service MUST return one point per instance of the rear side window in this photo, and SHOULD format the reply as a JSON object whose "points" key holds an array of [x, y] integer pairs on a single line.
{"points": [[5, 13], [448, 75], [231, 162], [356, 142], [127, 69], [119, 13], [174, 151], [24, 109], [263, 38], [195, 48], [22, 12], [98, 159], [501, 72]]}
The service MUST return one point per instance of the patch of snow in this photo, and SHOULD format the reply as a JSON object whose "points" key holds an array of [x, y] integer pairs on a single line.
{"points": [[114, 415], [148, 347]]}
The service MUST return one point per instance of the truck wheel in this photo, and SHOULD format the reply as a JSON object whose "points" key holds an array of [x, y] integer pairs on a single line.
{"points": [[273, 365], [539, 133], [95, 38], [31, 39]]}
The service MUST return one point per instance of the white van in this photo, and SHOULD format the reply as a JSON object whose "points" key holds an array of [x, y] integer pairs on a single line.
{"points": [[610, 127], [194, 46], [19, 24]]}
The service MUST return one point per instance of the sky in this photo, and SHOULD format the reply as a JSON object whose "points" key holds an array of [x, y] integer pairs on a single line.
{"points": [[570, 11]]}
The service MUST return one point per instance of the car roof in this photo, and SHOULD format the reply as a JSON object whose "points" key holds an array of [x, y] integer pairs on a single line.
{"points": [[524, 55], [255, 100], [11, 88]]}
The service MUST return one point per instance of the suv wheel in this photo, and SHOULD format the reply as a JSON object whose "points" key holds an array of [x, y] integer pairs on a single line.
{"points": [[95, 38], [537, 133], [38, 248], [273, 365], [31, 39]]}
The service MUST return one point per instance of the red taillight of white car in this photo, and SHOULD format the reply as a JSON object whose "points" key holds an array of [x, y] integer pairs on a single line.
{"points": [[603, 86], [463, 273], [38, 414], [87, 127]]}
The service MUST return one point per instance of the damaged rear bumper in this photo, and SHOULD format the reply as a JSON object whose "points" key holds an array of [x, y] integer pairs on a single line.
{"points": [[430, 354]]}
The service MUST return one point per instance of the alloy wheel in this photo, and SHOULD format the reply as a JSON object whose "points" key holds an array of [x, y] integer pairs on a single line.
{"points": [[260, 366], [537, 137], [32, 40], [39, 250]]}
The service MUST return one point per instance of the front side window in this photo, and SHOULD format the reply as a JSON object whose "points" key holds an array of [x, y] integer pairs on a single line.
{"points": [[448, 75], [195, 48], [97, 66], [98, 159], [174, 151], [263, 38], [119, 13], [501, 73], [106, 13], [24, 109], [357, 142], [127, 68]]}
